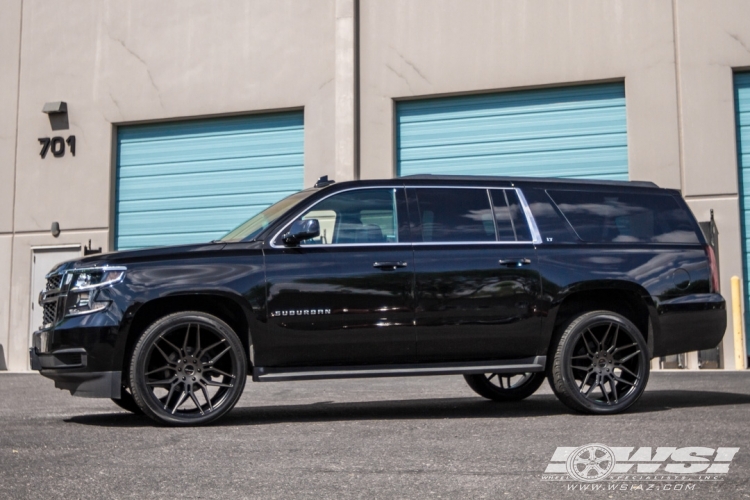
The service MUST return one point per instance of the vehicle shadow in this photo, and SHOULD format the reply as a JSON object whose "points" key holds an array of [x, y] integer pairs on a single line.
{"points": [[447, 408]]}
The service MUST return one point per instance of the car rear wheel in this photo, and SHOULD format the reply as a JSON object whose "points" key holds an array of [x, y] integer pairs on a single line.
{"points": [[188, 368], [505, 387], [600, 363]]}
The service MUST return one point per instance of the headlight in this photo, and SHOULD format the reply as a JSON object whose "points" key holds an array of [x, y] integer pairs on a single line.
{"points": [[84, 287]]}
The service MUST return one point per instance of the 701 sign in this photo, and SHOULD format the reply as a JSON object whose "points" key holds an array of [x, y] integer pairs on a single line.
{"points": [[57, 146]]}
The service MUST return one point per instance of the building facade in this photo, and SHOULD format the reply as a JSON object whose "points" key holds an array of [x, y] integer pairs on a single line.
{"points": [[182, 119]]}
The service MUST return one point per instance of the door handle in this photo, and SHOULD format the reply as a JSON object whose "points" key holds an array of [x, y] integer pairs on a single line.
{"points": [[389, 266], [514, 262]]}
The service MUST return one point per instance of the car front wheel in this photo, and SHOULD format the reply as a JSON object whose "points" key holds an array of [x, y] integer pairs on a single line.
{"points": [[600, 363], [188, 368]]}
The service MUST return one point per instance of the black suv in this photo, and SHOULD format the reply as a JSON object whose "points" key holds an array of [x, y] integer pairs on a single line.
{"points": [[502, 280]]}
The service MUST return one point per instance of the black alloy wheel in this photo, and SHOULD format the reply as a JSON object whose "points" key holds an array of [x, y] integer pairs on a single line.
{"points": [[127, 403], [505, 386], [188, 368], [600, 364]]}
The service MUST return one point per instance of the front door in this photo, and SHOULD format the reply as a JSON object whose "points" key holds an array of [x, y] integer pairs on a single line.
{"points": [[345, 297], [477, 281]]}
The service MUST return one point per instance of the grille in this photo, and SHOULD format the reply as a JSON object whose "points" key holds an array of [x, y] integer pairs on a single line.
{"points": [[50, 312], [53, 282]]}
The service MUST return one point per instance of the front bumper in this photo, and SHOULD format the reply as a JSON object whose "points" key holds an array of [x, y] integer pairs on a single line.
{"points": [[58, 367]]}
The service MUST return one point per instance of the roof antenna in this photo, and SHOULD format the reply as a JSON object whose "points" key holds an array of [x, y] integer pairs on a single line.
{"points": [[323, 182]]}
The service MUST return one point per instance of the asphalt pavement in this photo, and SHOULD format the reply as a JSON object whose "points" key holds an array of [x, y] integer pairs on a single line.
{"points": [[420, 437]]}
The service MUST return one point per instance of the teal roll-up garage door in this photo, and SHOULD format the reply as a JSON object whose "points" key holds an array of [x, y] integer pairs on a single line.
{"points": [[742, 113], [192, 181], [577, 132]]}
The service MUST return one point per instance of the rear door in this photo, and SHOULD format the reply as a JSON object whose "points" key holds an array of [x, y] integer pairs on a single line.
{"points": [[477, 281]]}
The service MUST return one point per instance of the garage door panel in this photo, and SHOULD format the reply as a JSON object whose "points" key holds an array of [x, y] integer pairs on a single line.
{"points": [[742, 116], [565, 132], [502, 146], [214, 165], [606, 164], [195, 184], [194, 181], [520, 102]]}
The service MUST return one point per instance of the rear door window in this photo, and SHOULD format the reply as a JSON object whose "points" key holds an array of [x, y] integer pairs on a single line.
{"points": [[606, 217], [455, 215]]}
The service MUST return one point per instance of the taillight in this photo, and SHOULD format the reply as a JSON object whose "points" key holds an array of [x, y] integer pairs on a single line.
{"points": [[713, 269]]}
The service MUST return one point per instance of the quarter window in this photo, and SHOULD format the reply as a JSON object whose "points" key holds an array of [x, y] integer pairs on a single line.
{"points": [[625, 218]]}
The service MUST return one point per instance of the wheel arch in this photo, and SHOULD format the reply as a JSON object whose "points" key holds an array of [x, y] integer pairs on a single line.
{"points": [[225, 307], [627, 299]]}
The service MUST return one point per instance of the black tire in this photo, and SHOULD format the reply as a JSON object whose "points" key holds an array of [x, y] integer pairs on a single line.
{"points": [[127, 403], [183, 358], [505, 387], [600, 363]]}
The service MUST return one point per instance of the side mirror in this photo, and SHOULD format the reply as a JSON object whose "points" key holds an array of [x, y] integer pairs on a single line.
{"points": [[301, 230]]}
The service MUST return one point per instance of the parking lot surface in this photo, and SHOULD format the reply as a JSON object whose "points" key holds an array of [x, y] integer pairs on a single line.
{"points": [[421, 437]]}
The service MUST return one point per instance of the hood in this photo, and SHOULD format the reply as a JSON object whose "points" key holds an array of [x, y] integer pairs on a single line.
{"points": [[151, 254]]}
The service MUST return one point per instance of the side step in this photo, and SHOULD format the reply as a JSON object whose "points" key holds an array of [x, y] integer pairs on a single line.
{"points": [[524, 365]]}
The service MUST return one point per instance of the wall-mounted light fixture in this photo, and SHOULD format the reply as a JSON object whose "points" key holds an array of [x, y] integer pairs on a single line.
{"points": [[58, 114], [55, 229]]}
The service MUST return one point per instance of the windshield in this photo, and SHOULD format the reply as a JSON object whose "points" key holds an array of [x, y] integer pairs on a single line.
{"points": [[251, 228]]}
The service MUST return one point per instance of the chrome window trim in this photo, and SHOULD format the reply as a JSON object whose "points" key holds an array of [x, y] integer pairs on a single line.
{"points": [[535, 235]]}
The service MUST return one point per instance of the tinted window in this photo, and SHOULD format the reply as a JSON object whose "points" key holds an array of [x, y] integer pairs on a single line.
{"points": [[455, 215], [549, 220], [255, 225], [511, 220], [356, 217], [625, 218]]}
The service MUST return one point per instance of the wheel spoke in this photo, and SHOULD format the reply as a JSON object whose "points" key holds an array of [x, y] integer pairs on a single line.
{"points": [[162, 352], [166, 381], [187, 338], [604, 392], [197, 339], [626, 369], [181, 400], [622, 380], [613, 388], [604, 339], [195, 400], [614, 340], [220, 372], [205, 395], [624, 347], [163, 368], [582, 356], [629, 356], [171, 345], [217, 384], [586, 343], [215, 358], [204, 351], [169, 396], [585, 379], [492, 375], [581, 368]]}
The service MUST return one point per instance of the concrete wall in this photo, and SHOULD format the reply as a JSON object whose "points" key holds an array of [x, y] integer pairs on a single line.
{"points": [[433, 47], [128, 62]]}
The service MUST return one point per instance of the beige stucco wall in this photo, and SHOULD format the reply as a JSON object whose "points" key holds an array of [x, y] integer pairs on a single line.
{"points": [[713, 41], [121, 62], [10, 26], [127, 62], [433, 47]]}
